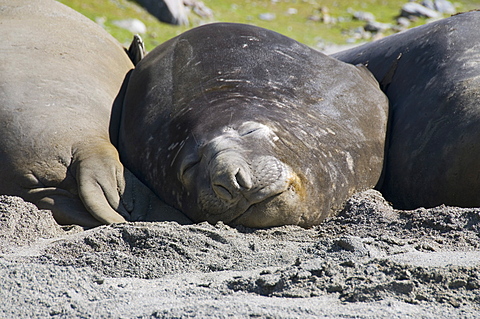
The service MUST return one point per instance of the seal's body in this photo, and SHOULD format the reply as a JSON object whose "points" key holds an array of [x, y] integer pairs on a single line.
{"points": [[235, 123], [431, 75], [59, 76]]}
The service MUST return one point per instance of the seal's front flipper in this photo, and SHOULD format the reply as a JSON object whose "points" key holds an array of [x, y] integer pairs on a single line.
{"points": [[67, 209], [99, 176], [136, 51], [111, 193], [61, 199]]}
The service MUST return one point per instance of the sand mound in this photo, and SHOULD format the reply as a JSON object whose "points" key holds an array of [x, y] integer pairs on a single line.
{"points": [[369, 261]]}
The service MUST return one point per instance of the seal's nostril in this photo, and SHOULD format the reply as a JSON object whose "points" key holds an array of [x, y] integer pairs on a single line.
{"points": [[244, 179], [229, 182]]}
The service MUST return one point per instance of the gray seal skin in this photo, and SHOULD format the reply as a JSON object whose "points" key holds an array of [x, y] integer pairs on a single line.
{"points": [[431, 75], [59, 75], [235, 123]]}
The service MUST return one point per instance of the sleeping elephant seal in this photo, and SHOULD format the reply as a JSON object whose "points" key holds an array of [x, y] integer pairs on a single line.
{"points": [[59, 75], [235, 123], [431, 75]]}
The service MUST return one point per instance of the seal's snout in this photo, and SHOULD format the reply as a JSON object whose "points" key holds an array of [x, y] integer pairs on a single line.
{"points": [[230, 176], [236, 179]]}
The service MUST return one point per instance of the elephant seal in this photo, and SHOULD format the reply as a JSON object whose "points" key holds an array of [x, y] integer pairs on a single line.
{"points": [[59, 75], [431, 75], [240, 124]]}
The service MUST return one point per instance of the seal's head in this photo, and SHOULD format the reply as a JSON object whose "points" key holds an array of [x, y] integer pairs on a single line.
{"points": [[236, 176]]}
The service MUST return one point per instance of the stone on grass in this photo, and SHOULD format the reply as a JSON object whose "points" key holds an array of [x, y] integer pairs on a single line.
{"points": [[413, 9], [169, 11], [133, 25]]}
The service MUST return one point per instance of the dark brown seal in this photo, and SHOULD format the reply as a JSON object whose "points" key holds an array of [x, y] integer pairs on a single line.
{"points": [[235, 123], [431, 75]]}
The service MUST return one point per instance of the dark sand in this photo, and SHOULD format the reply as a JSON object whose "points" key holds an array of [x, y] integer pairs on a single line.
{"points": [[370, 261]]}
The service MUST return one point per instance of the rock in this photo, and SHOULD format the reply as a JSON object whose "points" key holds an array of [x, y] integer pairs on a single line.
{"points": [[444, 6], [101, 21], [379, 35], [199, 8], [374, 26], [133, 25], [322, 15], [403, 22], [417, 10], [325, 16], [353, 244], [292, 11], [169, 11], [364, 16], [360, 33], [428, 4], [267, 16]]}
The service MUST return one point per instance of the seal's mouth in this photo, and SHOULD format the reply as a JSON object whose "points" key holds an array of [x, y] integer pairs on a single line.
{"points": [[234, 215], [246, 213]]}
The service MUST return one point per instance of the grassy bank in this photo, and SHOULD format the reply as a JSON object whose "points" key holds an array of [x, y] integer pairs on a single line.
{"points": [[292, 17]]}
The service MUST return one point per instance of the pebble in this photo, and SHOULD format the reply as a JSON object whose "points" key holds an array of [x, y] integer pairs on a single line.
{"points": [[374, 26], [403, 22], [267, 16], [364, 16], [133, 25], [417, 10], [442, 6], [291, 11]]}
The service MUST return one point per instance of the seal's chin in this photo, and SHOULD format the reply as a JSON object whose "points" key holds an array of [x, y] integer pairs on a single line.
{"points": [[243, 213], [246, 218], [277, 210]]}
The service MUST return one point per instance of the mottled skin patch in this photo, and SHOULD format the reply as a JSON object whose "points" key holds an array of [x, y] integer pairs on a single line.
{"points": [[431, 75], [244, 125]]}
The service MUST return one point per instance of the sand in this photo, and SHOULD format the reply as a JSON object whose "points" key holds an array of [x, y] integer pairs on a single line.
{"points": [[370, 261]]}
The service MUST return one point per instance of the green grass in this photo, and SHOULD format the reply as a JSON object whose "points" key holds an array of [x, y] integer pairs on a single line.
{"points": [[297, 26]]}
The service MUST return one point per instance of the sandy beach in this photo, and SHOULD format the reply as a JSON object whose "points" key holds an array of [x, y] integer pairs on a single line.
{"points": [[370, 261]]}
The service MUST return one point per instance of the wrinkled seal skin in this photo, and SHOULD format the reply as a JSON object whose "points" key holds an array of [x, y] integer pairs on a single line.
{"points": [[431, 75], [59, 75], [240, 124]]}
